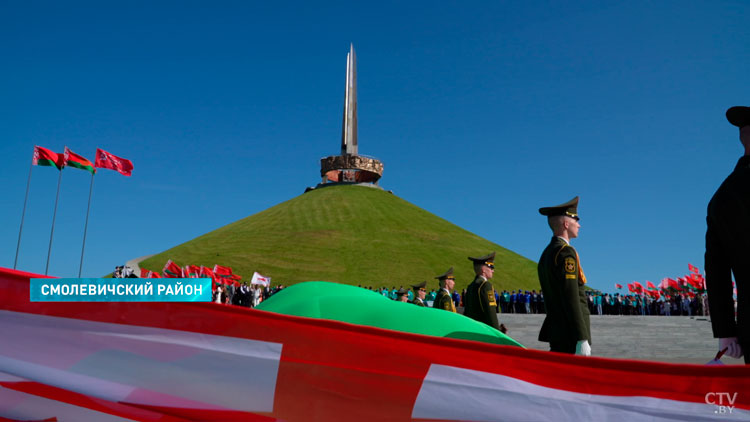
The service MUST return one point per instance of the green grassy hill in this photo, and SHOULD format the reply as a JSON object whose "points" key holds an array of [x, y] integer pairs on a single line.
{"points": [[351, 235]]}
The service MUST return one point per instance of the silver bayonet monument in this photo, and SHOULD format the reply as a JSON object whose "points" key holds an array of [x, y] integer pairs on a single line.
{"points": [[350, 167]]}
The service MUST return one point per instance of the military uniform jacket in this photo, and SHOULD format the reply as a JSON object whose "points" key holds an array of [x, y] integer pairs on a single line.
{"points": [[567, 317], [479, 303], [444, 301], [727, 252], [417, 302]]}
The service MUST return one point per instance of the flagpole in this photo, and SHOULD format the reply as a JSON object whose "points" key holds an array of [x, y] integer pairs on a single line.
{"points": [[54, 214], [86, 226], [23, 214]]}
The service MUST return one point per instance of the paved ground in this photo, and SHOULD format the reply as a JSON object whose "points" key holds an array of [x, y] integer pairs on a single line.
{"points": [[674, 339], [133, 263]]}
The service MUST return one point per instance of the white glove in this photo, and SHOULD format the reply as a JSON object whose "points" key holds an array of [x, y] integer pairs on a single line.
{"points": [[583, 348], [734, 350]]}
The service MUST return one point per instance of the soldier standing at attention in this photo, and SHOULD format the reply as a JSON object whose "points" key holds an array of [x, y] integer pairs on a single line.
{"points": [[728, 249], [447, 283], [419, 293], [479, 303], [566, 327]]}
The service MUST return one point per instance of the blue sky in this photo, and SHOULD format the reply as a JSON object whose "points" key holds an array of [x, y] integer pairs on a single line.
{"points": [[481, 111]]}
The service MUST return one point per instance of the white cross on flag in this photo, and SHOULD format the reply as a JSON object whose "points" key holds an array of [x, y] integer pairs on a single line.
{"points": [[177, 362]]}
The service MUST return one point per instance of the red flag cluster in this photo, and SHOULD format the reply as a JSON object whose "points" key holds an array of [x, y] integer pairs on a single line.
{"points": [[45, 157], [691, 284], [219, 274]]}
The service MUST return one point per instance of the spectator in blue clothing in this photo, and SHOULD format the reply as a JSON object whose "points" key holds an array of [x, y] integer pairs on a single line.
{"points": [[527, 301]]}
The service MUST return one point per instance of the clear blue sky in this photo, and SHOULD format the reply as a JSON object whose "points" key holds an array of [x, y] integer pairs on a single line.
{"points": [[481, 111]]}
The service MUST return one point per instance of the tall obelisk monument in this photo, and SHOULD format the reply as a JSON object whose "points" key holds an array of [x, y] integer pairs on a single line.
{"points": [[350, 167], [349, 127]]}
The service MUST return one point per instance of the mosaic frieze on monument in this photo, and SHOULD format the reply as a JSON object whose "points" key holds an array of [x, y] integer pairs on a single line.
{"points": [[356, 162]]}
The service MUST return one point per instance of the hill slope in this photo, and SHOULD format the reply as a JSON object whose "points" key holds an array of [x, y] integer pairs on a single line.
{"points": [[351, 235]]}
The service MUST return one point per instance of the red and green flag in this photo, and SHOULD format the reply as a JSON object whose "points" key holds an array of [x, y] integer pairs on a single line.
{"points": [[636, 287], [78, 161], [223, 272], [45, 157], [172, 270], [192, 271]]}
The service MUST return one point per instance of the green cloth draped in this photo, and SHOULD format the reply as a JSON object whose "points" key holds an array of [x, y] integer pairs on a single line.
{"points": [[354, 305]]}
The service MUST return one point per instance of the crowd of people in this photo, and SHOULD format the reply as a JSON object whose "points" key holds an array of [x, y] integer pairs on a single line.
{"points": [[506, 302], [532, 302], [232, 292], [243, 295], [675, 305]]}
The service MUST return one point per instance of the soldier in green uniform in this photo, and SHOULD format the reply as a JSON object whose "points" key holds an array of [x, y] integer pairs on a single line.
{"points": [[566, 327], [480, 303], [443, 300], [402, 295], [419, 293]]}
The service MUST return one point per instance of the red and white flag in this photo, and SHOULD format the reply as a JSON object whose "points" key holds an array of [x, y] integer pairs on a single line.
{"points": [[260, 279], [190, 361], [110, 161]]}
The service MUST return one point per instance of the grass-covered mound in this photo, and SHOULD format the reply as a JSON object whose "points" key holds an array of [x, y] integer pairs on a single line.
{"points": [[350, 235]]}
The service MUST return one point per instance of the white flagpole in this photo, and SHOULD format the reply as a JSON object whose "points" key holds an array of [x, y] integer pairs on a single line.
{"points": [[23, 214], [86, 226], [54, 214]]}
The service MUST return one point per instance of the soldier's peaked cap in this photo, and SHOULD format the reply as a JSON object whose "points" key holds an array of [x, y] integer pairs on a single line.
{"points": [[447, 274], [402, 291], [569, 208], [483, 259], [739, 116], [419, 286]]}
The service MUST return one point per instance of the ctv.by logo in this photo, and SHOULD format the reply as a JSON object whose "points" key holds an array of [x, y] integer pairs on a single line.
{"points": [[724, 402]]}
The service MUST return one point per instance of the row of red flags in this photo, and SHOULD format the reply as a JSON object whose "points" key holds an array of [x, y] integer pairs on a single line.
{"points": [[219, 274], [691, 284], [45, 157]]}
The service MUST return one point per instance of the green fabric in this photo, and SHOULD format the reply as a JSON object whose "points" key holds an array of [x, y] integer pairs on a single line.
{"points": [[81, 166], [354, 305], [44, 162]]}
